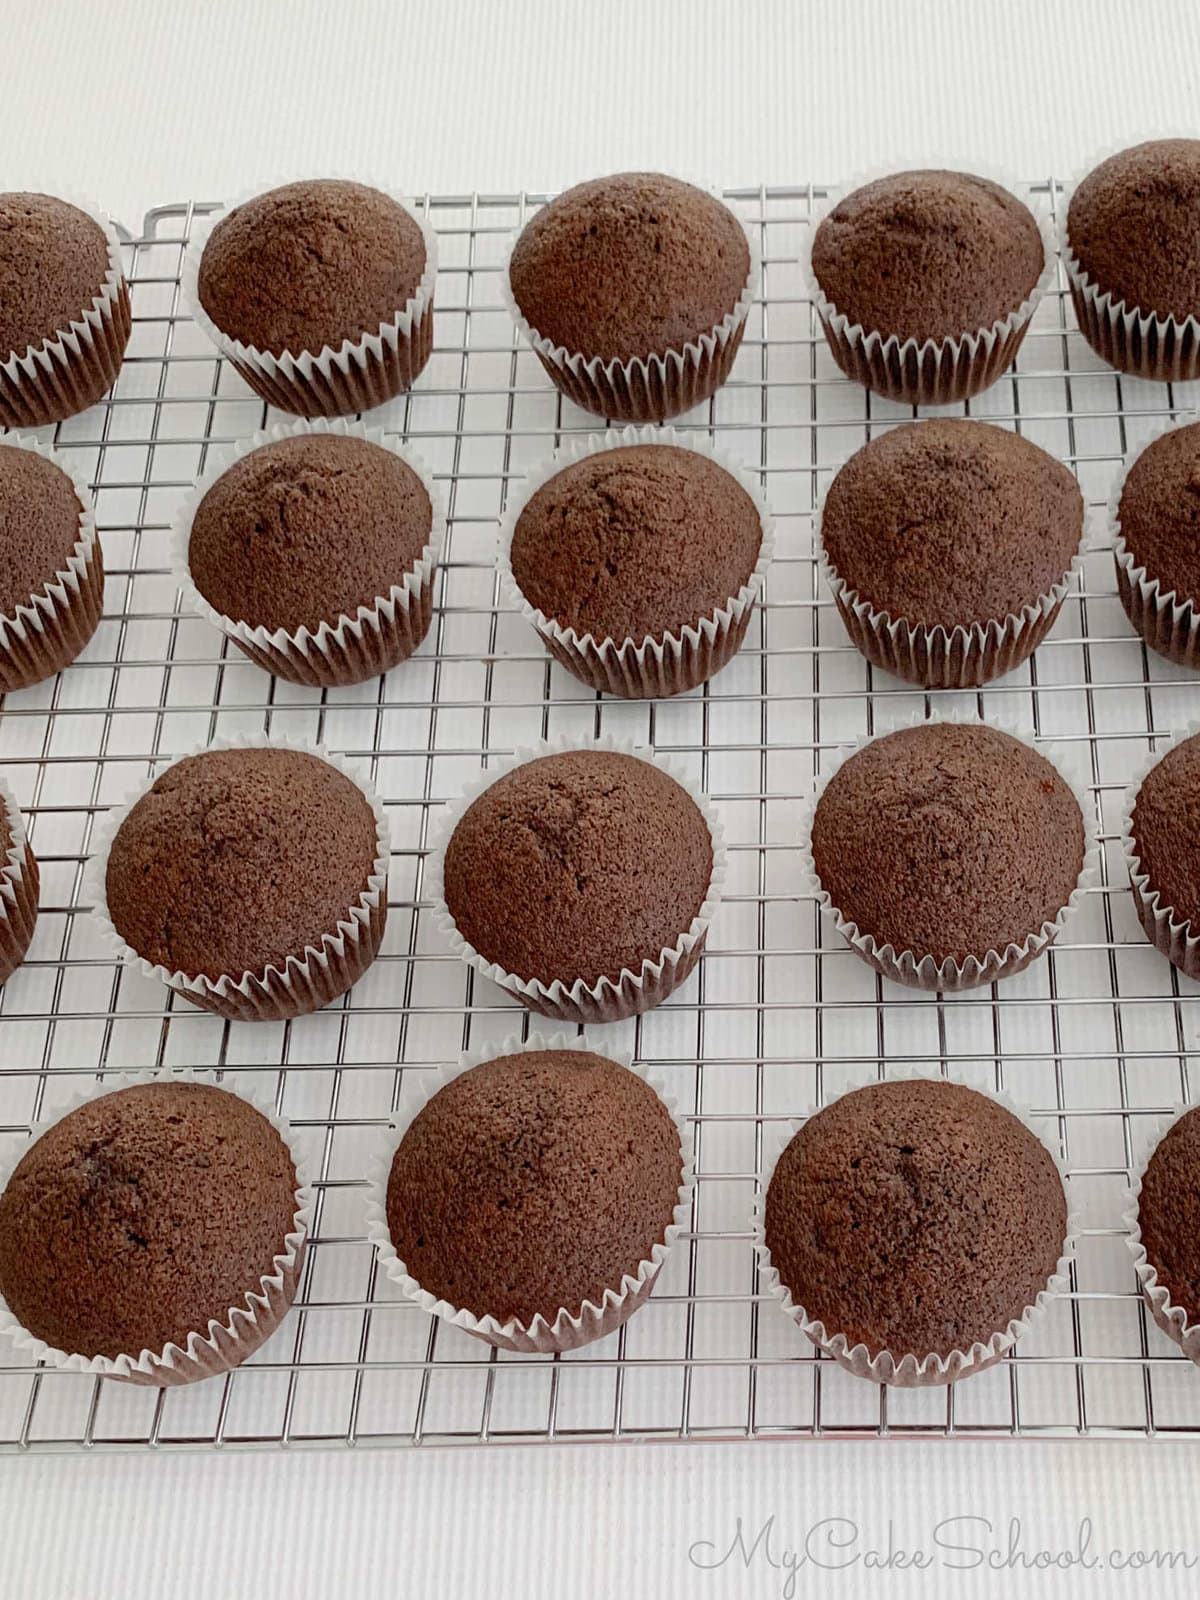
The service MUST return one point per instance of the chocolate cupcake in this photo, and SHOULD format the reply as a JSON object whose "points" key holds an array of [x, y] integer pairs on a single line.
{"points": [[1164, 1230], [638, 560], [319, 292], [51, 568], [925, 283], [633, 291], [949, 853], [20, 881], [532, 1197], [1129, 249], [582, 880], [1154, 521], [948, 546], [154, 1232], [250, 878], [1160, 835], [915, 1229], [64, 309], [314, 548]]}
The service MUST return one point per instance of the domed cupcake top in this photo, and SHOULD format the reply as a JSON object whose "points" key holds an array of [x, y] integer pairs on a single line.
{"points": [[310, 264], [629, 266], [636, 542], [53, 262], [928, 255], [307, 528], [141, 1216], [951, 522], [533, 1183], [1169, 1213], [949, 840], [917, 1217], [1132, 225], [1166, 829], [39, 524], [1159, 511], [237, 859], [578, 865]]}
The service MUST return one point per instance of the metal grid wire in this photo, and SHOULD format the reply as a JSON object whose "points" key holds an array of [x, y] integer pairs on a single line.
{"points": [[1100, 1036]]}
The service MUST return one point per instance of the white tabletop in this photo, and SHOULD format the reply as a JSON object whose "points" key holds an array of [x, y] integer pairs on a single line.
{"points": [[136, 109], [135, 103]]}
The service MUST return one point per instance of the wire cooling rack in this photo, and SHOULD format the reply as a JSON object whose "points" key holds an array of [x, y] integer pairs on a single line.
{"points": [[1100, 1037]]}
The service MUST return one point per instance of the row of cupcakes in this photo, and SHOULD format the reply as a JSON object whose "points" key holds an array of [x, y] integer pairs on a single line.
{"points": [[914, 1229], [949, 546], [251, 877], [633, 290], [313, 546], [638, 556]]}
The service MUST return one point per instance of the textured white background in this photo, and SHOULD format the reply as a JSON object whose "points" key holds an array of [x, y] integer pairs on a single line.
{"points": [[137, 102], [141, 102]]}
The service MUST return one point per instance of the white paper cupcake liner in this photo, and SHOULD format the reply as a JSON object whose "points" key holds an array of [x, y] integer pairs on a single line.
{"points": [[905, 1369], [653, 387], [210, 1351], [19, 885], [46, 634], [1168, 624], [963, 657], [303, 984], [1173, 1319], [568, 1330], [933, 372], [948, 975], [353, 648], [1174, 937], [604, 1001], [361, 373], [1163, 349], [670, 663], [61, 376]]}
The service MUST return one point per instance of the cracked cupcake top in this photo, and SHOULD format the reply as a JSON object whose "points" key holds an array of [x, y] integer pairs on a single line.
{"points": [[915, 1217], [310, 264], [952, 522], [949, 840], [577, 865], [237, 859], [635, 543], [141, 1216], [1132, 226], [928, 255], [1169, 1212], [53, 262], [629, 266], [306, 529], [532, 1183], [1159, 511], [1166, 816], [39, 525]]}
